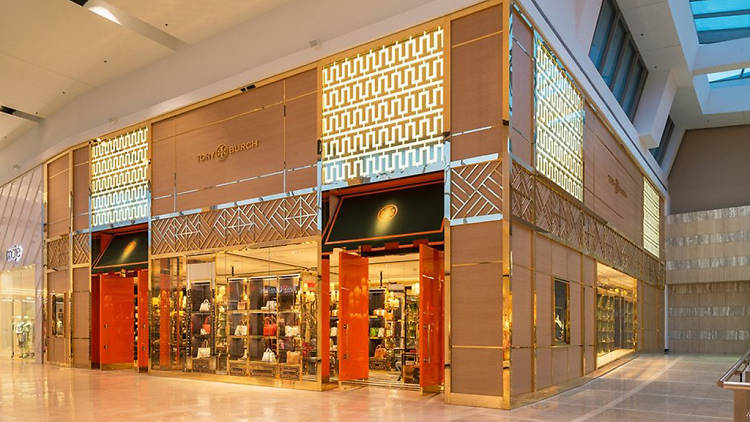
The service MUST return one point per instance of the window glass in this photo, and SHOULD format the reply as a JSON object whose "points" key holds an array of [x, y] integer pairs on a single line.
{"points": [[623, 71], [562, 322], [632, 88], [601, 33], [613, 53]]}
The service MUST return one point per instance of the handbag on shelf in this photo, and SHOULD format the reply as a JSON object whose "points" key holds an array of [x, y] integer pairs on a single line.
{"points": [[381, 332], [269, 328], [204, 351], [334, 331], [240, 330], [380, 352], [292, 331], [269, 356], [373, 331], [206, 327], [293, 358], [205, 306]]}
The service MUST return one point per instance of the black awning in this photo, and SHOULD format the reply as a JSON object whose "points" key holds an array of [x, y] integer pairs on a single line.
{"points": [[401, 215], [125, 252]]}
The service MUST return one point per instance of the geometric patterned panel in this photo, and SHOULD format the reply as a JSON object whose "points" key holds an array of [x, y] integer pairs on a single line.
{"points": [[651, 218], [382, 109], [81, 249], [58, 253], [279, 219], [544, 205], [476, 189], [558, 114]]}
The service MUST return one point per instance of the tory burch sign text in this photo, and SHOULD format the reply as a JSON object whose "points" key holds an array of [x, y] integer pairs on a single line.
{"points": [[223, 151]]}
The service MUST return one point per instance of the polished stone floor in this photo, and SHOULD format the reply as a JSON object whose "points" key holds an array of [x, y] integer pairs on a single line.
{"points": [[649, 388]]}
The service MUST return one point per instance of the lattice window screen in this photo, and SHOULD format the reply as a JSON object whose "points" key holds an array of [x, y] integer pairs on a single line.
{"points": [[119, 178], [383, 109], [651, 218], [559, 111]]}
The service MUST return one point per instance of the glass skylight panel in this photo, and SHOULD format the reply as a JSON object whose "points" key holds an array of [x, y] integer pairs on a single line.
{"points": [[721, 20], [729, 75]]}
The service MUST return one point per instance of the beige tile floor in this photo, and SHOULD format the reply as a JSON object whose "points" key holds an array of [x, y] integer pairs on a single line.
{"points": [[649, 388]]}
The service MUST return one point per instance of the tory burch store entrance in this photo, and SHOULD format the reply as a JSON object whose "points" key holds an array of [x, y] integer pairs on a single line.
{"points": [[385, 283]]}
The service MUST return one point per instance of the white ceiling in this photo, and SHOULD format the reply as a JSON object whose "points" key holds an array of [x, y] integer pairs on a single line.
{"points": [[54, 50]]}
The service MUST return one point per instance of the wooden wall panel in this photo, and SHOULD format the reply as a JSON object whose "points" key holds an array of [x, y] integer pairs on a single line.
{"points": [[476, 87], [81, 353], [475, 316], [58, 282], [301, 179], [472, 371], [608, 165], [543, 368], [58, 204], [522, 374], [522, 76], [281, 116]]}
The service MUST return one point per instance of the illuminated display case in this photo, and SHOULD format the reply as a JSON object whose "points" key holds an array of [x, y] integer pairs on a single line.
{"points": [[383, 110], [119, 179]]}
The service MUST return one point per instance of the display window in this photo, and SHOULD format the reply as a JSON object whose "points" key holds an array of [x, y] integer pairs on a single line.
{"points": [[562, 316], [18, 313], [615, 314], [249, 313]]}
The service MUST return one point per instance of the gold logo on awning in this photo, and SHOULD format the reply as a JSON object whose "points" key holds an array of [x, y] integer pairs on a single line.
{"points": [[223, 151], [387, 212]]}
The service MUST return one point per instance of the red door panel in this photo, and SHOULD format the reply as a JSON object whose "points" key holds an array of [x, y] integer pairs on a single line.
{"points": [[353, 344], [143, 319], [431, 277], [116, 319]]}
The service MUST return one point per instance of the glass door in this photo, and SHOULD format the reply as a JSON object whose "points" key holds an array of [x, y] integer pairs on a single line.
{"points": [[353, 329]]}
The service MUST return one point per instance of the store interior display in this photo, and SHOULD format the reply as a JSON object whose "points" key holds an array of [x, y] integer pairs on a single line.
{"points": [[18, 312], [246, 313], [615, 314]]}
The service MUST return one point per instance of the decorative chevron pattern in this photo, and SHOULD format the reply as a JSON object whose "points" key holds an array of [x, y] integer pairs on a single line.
{"points": [[651, 218], [58, 253], [81, 249], [286, 218], [541, 203], [383, 109], [558, 113], [476, 189]]}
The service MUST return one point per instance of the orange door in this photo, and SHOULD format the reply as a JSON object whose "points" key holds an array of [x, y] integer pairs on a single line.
{"points": [[143, 319], [116, 319], [353, 344], [431, 277]]}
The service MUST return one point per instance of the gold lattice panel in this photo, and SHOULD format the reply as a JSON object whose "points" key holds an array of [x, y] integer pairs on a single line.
{"points": [[651, 218], [476, 190], [383, 109], [541, 203], [558, 113], [81, 248], [285, 218], [58, 253], [119, 178]]}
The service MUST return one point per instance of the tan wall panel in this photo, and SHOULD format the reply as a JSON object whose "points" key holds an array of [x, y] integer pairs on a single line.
{"points": [[590, 359], [81, 352], [81, 279], [543, 309], [559, 365], [521, 148], [58, 282], [574, 306], [590, 316], [521, 371], [523, 92], [81, 188], [574, 266], [301, 131], [574, 362], [81, 317], [522, 306], [476, 305], [57, 166], [542, 254], [56, 349], [232, 106], [163, 129], [559, 260], [476, 94], [265, 125], [521, 245], [301, 83], [163, 167], [473, 243], [477, 143], [588, 277], [543, 368], [301, 179], [58, 211], [476, 25], [477, 371], [162, 206], [235, 192]]}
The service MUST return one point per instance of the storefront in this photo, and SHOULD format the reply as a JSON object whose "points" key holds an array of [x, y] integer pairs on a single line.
{"points": [[21, 267], [615, 314]]}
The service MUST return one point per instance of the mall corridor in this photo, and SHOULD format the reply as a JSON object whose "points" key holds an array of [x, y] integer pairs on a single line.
{"points": [[648, 388]]}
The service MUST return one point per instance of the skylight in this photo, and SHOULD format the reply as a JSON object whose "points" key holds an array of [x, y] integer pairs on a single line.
{"points": [[721, 20], [729, 75]]}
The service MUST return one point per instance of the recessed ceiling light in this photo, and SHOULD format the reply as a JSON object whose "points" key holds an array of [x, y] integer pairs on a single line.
{"points": [[105, 13]]}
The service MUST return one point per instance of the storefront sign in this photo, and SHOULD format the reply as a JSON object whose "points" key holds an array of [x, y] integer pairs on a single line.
{"points": [[14, 253], [223, 151], [119, 178]]}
